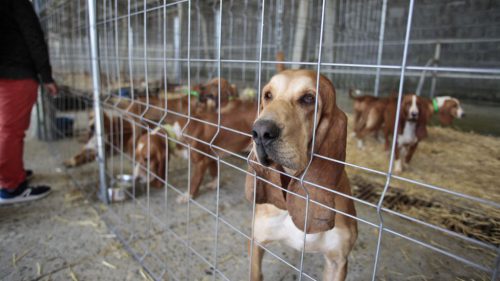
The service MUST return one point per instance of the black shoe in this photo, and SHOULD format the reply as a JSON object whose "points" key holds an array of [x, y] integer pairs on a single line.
{"points": [[23, 193], [29, 175]]}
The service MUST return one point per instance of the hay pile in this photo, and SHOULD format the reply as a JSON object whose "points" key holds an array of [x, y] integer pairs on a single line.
{"points": [[463, 162]]}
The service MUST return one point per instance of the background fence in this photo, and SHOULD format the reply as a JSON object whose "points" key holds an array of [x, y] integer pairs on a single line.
{"points": [[440, 221]]}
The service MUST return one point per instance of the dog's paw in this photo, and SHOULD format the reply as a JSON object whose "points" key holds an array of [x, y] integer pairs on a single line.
{"points": [[361, 145], [183, 198], [69, 163], [406, 166], [212, 185], [398, 168]]}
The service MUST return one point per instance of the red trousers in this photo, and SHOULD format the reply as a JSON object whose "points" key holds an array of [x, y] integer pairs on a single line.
{"points": [[16, 101]]}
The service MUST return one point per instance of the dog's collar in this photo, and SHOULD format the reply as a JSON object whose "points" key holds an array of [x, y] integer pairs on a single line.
{"points": [[192, 93], [435, 105]]}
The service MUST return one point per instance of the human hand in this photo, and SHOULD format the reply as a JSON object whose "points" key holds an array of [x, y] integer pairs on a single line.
{"points": [[51, 88]]}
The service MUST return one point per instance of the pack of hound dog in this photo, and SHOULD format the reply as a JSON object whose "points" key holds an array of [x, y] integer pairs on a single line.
{"points": [[284, 169], [373, 115]]}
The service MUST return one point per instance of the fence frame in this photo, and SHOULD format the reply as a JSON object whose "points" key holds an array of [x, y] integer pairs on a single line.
{"points": [[403, 69]]}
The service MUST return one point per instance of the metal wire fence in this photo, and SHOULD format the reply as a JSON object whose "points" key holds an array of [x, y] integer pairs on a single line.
{"points": [[131, 73]]}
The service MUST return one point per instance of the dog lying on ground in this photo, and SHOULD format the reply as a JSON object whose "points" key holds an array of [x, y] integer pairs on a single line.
{"points": [[283, 135], [412, 128], [118, 131]]}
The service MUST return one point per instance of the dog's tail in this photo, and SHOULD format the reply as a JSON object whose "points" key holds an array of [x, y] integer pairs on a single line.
{"points": [[280, 56]]}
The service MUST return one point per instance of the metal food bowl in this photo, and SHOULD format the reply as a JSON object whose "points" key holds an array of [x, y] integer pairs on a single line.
{"points": [[120, 184]]}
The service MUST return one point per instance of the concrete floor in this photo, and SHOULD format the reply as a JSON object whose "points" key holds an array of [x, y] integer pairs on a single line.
{"points": [[60, 237], [71, 236]]}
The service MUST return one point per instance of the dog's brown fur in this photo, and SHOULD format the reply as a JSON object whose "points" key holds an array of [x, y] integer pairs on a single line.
{"points": [[118, 130], [236, 115], [419, 131], [286, 101], [368, 115]]}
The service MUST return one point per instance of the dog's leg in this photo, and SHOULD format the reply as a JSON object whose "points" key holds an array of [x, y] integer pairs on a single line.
{"points": [[360, 144], [212, 168], [200, 165], [335, 268], [256, 263], [398, 168], [379, 136], [411, 150]]}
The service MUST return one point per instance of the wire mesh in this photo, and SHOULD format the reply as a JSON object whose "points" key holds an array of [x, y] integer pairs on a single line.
{"points": [[151, 88]]}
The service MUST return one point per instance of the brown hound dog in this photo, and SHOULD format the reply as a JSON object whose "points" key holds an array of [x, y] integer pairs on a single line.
{"points": [[283, 134], [117, 131], [368, 115], [157, 149], [231, 141], [447, 108], [202, 98], [369, 112], [204, 109], [412, 127]]}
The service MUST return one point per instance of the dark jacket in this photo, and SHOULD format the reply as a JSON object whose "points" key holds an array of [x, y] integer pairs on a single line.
{"points": [[23, 51]]}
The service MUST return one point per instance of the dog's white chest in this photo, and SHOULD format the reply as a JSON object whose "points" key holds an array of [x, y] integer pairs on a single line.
{"points": [[408, 137], [279, 227]]}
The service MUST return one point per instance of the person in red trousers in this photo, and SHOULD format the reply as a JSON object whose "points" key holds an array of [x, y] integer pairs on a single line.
{"points": [[24, 61]]}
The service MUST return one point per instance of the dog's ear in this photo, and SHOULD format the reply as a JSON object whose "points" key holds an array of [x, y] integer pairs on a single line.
{"points": [[228, 90], [423, 118], [280, 57], [162, 155], [331, 138], [262, 189], [403, 112], [234, 91], [445, 117]]}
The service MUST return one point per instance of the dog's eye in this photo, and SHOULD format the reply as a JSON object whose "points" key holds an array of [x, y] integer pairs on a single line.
{"points": [[307, 99], [268, 96]]}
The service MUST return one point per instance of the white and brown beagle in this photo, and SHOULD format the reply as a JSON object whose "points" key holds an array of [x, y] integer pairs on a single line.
{"points": [[156, 149], [447, 108], [412, 127], [283, 135]]}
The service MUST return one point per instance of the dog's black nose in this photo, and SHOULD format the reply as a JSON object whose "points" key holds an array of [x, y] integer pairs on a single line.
{"points": [[265, 131], [414, 114]]}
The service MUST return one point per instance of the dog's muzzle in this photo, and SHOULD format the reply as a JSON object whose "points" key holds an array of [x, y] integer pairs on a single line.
{"points": [[265, 133], [413, 116]]}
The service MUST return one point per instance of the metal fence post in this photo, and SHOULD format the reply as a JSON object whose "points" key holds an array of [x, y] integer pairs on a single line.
{"points": [[99, 127], [437, 55], [380, 47]]}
